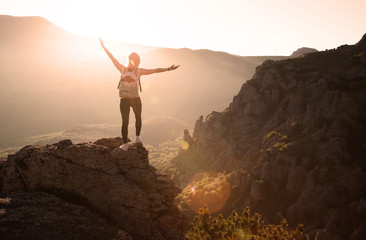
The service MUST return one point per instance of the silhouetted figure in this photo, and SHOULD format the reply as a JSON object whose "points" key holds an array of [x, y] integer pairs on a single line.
{"points": [[128, 91]]}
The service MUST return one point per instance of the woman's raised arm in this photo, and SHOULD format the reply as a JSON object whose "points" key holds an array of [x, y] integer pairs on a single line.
{"points": [[115, 62], [158, 70]]}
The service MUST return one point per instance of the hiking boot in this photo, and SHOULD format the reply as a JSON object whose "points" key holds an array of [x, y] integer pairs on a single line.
{"points": [[138, 139], [124, 147]]}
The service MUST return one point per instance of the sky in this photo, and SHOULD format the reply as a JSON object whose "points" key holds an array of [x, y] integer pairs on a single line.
{"points": [[242, 27]]}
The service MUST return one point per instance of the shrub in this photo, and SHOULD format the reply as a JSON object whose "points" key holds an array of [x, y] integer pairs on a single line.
{"points": [[240, 227], [210, 188]]}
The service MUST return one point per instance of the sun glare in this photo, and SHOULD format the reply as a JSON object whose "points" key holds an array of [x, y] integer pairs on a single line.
{"points": [[108, 19], [280, 28]]}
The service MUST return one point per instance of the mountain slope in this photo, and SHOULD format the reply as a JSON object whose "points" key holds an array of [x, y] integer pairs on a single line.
{"points": [[52, 80], [293, 143]]}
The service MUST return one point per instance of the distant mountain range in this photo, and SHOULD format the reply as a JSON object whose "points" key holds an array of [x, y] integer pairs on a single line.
{"points": [[52, 80]]}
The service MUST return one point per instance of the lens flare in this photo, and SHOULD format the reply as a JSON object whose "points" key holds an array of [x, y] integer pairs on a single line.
{"points": [[146, 87], [184, 145], [207, 188], [154, 100], [243, 234]]}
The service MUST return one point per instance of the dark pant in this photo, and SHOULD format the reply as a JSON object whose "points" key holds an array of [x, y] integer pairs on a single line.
{"points": [[124, 106]]}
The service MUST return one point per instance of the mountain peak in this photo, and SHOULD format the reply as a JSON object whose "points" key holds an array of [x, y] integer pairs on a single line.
{"points": [[302, 51], [362, 42]]}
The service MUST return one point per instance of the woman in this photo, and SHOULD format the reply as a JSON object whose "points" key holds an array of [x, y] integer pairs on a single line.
{"points": [[128, 91]]}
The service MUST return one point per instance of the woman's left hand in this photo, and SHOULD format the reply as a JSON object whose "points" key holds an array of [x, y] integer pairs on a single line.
{"points": [[173, 67]]}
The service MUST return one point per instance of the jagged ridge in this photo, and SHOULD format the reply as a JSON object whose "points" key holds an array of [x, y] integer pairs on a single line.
{"points": [[294, 140]]}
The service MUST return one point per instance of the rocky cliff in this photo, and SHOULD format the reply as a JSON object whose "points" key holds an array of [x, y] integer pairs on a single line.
{"points": [[293, 140], [119, 187]]}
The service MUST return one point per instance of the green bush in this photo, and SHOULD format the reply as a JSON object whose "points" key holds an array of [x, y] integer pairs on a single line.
{"points": [[240, 227]]}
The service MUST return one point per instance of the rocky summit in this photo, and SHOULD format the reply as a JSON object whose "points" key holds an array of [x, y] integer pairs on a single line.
{"points": [[117, 189], [294, 141]]}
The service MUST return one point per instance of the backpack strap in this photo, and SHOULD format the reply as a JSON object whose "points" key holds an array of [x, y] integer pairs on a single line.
{"points": [[120, 80], [124, 70], [138, 77]]}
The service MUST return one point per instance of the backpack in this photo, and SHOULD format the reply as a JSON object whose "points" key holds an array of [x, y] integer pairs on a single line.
{"points": [[138, 77]]}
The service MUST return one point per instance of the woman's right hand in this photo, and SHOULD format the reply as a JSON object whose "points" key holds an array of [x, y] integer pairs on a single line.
{"points": [[115, 62]]}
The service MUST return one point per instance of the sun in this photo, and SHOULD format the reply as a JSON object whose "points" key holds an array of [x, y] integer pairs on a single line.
{"points": [[108, 19], [144, 22]]}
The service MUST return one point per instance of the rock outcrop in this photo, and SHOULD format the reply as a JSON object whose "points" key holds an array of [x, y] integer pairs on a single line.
{"points": [[297, 128], [120, 186], [38, 215]]}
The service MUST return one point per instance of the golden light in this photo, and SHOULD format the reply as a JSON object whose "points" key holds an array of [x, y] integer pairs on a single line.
{"points": [[146, 86], [154, 100], [173, 131], [145, 22], [184, 145], [243, 234], [207, 188]]}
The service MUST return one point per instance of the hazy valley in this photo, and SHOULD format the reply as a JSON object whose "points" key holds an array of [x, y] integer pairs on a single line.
{"points": [[52, 80]]}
